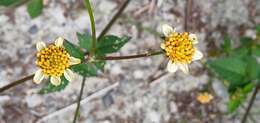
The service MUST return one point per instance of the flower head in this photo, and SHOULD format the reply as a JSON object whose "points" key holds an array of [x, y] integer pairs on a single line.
{"points": [[204, 98], [54, 62], [179, 48]]}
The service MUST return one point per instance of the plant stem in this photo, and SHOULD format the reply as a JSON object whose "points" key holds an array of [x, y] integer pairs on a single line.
{"points": [[113, 20], [79, 99], [93, 28], [17, 82], [131, 56], [251, 102], [187, 10]]}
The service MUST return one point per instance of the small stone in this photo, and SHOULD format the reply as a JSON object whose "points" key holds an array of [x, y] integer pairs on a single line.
{"points": [[138, 74], [33, 29], [173, 107]]}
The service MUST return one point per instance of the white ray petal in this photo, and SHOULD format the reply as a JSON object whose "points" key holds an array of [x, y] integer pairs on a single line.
{"points": [[193, 38], [38, 76], [59, 41], [167, 30], [184, 68], [40, 45], [172, 67], [162, 45], [69, 75], [55, 80], [197, 55], [74, 60]]}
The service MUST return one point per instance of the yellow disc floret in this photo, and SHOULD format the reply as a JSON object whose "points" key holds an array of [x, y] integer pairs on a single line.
{"points": [[179, 47], [53, 60]]}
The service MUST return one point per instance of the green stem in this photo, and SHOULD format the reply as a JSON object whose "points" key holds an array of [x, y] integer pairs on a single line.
{"points": [[93, 28], [131, 56], [79, 99]]}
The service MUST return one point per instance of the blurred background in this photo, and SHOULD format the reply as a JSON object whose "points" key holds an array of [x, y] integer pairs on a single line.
{"points": [[128, 91]]}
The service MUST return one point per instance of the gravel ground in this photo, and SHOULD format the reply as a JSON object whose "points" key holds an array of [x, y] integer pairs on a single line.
{"points": [[129, 96]]}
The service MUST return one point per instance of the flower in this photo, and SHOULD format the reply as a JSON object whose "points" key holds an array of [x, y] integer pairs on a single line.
{"points": [[54, 62], [204, 98], [179, 48]]}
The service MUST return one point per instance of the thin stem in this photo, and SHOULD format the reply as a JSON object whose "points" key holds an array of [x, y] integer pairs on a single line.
{"points": [[79, 99], [113, 20], [17, 82], [93, 28], [251, 102], [131, 56], [187, 10]]}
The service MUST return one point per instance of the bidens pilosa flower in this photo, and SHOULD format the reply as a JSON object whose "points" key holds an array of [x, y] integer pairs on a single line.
{"points": [[54, 62], [204, 98], [179, 48]]}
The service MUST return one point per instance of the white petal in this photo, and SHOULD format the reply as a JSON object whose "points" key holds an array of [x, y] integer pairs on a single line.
{"points": [[59, 41], [167, 30], [162, 45], [172, 67], [38, 76], [74, 60], [184, 68], [197, 55], [40, 45], [69, 75], [55, 80], [193, 38]]}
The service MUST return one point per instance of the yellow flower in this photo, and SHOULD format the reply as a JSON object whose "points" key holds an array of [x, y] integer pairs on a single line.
{"points": [[204, 98], [54, 61], [179, 48]]}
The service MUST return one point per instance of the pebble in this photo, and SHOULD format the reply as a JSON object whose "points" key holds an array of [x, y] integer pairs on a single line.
{"points": [[33, 100]]}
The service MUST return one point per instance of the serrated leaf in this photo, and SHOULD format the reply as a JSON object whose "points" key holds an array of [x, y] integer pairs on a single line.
{"points": [[35, 7], [85, 41], [230, 69], [8, 2], [73, 50], [85, 69], [111, 44], [52, 88]]}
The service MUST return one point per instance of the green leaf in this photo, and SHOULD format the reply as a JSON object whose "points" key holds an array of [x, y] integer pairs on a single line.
{"points": [[252, 68], [73, 50], [227, 44], [233, 105], [246, 41], [248, 88], [100, 64], [52, 88], [35, 7], [8, 2], [240, 52], [111, 44], [230, 69], [85, 69], [85, 41]]}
